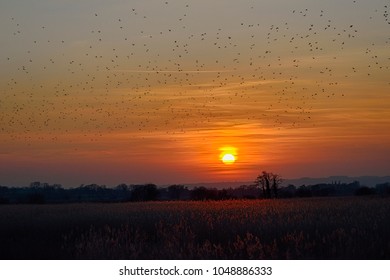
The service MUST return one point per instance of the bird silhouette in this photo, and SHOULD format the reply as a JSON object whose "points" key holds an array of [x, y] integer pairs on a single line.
{"points": [[148, 71]]}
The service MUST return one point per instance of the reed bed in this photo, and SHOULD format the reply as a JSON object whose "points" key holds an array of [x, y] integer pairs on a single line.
{"points": [[312, 228]]}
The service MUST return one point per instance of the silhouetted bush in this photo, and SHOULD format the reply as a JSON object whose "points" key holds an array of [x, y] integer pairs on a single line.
{"points": [[383, 189], [287, 192], [4, 200], [303, 191], [365, 191], [36, 198], [323, 190]]}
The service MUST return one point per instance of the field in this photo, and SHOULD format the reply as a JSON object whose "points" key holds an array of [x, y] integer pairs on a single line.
{"points": [[312, 228]]}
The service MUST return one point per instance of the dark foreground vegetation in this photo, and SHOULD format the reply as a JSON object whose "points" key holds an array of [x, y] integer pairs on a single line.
{"points": [[299, 228], [40, 193]]}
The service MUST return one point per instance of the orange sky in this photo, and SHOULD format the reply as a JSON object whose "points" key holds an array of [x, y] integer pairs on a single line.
{"points": [[151, 92]]}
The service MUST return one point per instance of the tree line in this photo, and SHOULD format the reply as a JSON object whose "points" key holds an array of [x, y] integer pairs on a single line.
{"points": [[266, 186]]}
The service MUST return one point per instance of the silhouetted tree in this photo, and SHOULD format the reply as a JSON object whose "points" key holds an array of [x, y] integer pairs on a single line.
{"points": [[123, 192], [175, 191], [122, 188], [261, 182], [304, 191], [202, 193], [144, 192], [223, 194], [276, 181], [383, 189], [3, 193], [245, 191], [287, 192], [35, 185], [266, 180]]}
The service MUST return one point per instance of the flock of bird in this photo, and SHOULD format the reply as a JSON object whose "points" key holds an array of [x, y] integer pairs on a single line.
{"points": [[132, 74]]}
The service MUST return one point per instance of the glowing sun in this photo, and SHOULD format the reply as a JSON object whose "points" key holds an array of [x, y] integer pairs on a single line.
{"points": [[228, 159], [228, 154]]}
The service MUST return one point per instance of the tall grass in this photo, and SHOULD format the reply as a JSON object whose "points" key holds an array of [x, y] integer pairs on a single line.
{"points": [[315, 228]]}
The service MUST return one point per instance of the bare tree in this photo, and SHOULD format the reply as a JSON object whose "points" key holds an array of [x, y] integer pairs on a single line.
{"points": [[266, 180], [276, 181]]}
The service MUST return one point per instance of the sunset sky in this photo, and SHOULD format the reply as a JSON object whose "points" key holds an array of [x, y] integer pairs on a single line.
{"points": [[156, 91]]}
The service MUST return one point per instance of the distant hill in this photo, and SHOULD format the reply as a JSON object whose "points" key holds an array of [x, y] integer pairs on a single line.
{"points": [[370, 181], [218, 185]]}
